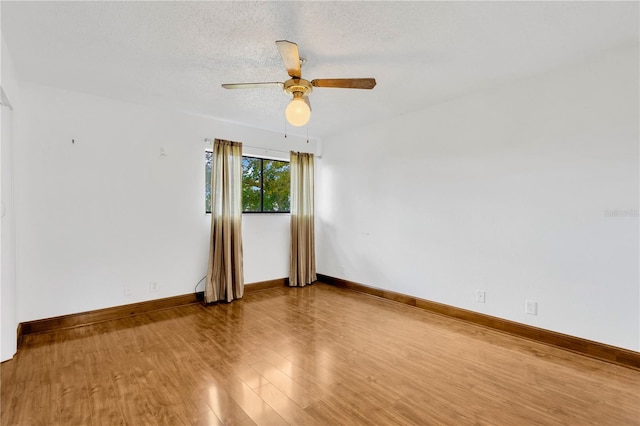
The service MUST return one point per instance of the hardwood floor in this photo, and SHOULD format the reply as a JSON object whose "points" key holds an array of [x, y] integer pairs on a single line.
{"points": [[317, 355]]}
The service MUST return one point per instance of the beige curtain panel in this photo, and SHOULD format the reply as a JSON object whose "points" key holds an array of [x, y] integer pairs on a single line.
{"points": [[302, 270], [225, 279]]}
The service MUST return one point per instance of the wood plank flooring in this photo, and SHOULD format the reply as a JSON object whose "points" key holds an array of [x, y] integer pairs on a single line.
{"points": [[317, 355]]}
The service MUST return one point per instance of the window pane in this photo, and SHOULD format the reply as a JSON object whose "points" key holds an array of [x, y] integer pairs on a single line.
{"points": [[276, 186], [251, 184], [265, 185], [207, 180]]}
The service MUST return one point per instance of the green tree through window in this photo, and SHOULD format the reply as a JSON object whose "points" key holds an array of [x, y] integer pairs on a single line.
{"points": [[265, 185]]}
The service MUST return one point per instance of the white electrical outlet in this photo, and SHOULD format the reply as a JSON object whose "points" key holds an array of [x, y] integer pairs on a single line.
{"points": [[531, 307], [480, 296], [153, 287]]}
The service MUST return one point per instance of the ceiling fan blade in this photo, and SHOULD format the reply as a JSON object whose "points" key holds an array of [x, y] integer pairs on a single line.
{"points": [[251, 85], [290, 57], [346, 83]]}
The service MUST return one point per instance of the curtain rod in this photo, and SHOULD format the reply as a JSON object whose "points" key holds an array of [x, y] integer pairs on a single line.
{"points": [[255, 147]]}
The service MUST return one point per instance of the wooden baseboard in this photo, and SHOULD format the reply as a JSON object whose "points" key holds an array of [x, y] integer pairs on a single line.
{"points": [[19, 335], [586, 347], [123, 311], [106, 314], [263, 285]]}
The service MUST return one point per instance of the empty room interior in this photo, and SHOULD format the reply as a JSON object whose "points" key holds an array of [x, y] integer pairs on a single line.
{"points": [[320, 213]]}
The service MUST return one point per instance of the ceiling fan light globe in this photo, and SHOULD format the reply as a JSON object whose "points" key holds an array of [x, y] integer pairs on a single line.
{"points": [[298, 112]]}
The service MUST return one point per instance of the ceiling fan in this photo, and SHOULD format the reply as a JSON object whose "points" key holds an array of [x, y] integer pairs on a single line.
{"points": [[298, 111]]}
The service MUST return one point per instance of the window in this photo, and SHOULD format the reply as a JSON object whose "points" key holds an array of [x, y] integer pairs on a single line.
{"points": [[265, 185]]}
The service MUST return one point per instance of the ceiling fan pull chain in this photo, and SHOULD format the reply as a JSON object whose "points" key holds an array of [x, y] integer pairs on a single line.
{"points": [[285, 127], [307, 134]]}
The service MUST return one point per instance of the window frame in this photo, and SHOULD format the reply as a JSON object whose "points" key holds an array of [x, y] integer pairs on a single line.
{"points": [[262, 159]]}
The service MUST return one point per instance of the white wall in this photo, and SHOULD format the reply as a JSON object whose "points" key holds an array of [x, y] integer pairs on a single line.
{"points": [[8, 318], [508, 191], [110, 211]]}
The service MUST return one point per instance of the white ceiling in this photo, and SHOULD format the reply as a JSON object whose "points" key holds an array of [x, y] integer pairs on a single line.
{"points": [[176, 54]]}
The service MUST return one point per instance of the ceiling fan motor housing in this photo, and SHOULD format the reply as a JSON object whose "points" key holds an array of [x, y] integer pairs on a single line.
{"points": [[297, 85]]}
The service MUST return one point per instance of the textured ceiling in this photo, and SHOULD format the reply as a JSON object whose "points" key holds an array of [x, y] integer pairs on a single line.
{"points": [[176, 54]]}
